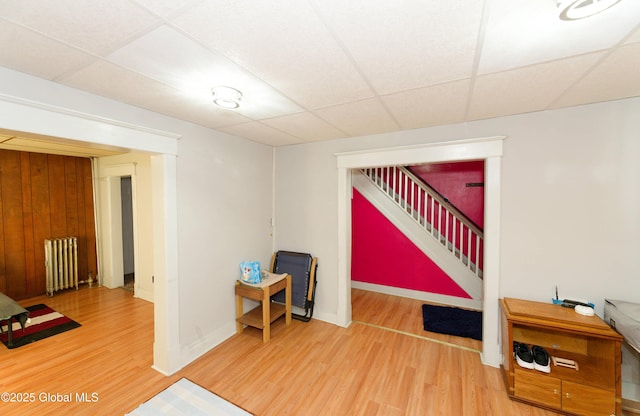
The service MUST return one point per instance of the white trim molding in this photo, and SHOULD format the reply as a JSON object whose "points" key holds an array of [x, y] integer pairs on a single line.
{"points": [[488, 149], [50, 120], [458, 150], [33, 117]]}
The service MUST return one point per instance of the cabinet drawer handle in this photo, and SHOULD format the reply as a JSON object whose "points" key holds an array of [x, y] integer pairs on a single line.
{"points": [[567, 395], [555, 391]]}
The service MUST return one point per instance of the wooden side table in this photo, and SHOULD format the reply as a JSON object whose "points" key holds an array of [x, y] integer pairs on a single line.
{"points": [[262, 316], [592, 387]]}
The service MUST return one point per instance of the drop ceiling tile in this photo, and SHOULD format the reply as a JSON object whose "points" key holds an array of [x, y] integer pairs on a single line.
{"points": [[32, 53], [615, 78], [407, 44], [429, 106], [523, 32], [95, 26], [261, 133], [172, 58], [108, 80], [328, 57], [204, 113], [359, 118], [522, 90], [165, 8], [284, 43], [306, 126], [635, 37]]}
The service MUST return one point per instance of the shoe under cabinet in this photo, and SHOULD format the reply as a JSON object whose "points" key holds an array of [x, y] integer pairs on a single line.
{"points": [[590, 387]]}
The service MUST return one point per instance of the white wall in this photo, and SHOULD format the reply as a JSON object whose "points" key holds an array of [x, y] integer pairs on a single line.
{"points": [[571, 204], [306, 209], [224, 206], [224, 202], [214, 199], [570, 210]]}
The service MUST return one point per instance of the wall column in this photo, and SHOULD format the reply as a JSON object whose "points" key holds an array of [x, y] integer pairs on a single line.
{"points": [[166, 346]]}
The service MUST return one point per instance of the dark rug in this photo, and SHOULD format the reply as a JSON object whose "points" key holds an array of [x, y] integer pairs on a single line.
{"points": [[45, 322], [452, 321]]}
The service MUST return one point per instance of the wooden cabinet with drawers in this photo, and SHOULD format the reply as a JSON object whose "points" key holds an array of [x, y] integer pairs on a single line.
{"points": [[594, 388]]}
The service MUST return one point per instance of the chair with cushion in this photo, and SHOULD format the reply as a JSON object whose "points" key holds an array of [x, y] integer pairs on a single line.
{"points": [[302, 267]]}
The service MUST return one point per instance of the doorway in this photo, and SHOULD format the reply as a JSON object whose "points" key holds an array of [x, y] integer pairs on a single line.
{"points": [[395, 248], [488, 149], [128, 252], [68, 123], [119, 225]]}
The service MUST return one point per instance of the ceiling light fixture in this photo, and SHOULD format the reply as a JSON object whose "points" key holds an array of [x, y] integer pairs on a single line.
{"points": [[579, 9], [226, 97]]}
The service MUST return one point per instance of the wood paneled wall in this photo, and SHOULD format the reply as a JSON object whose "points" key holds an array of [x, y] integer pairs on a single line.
{"points": [[42, 196]]}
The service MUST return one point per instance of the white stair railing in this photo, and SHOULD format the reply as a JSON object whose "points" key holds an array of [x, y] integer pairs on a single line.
{"points": [[440, 219]]}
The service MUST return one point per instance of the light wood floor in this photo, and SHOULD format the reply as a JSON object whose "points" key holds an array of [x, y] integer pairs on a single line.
{"points": [[310, 368], [401, 314]]}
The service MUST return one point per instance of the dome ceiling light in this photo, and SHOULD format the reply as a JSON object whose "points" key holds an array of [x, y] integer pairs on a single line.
{"points": [[579, 9], [226, 97]]}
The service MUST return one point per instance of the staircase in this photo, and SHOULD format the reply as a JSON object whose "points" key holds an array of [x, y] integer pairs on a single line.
{"points": [[443, 233]]}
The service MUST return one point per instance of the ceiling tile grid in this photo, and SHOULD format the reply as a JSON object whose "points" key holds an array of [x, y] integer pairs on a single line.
{"points": [[261, 133], [306, 125], [313, 70], [166, 8], [94, 26], [523, 32], [634, 37], [44, 57], [616, 77], [106, 79], [407, 44], [527, 89], [369, 116], [283, 43], [430, 106]]}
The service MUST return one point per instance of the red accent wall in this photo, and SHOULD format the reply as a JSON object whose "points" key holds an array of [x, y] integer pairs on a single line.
{"points": [[382, 255], [450, 180]]}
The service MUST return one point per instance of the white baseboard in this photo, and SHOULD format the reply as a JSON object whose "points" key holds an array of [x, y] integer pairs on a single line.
{"points": [[475, 304], [201, 346], [330, 318], [144, 294]]}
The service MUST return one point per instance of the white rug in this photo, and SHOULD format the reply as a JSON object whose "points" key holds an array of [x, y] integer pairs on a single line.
{"points": [[186, 398]]}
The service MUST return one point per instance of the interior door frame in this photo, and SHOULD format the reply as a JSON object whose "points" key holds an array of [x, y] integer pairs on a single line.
{"points": [[488, 149], [113, 260], [61, 123]]}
